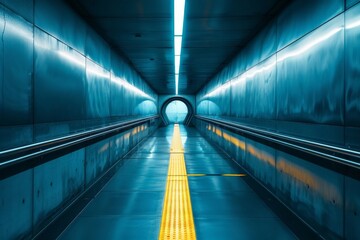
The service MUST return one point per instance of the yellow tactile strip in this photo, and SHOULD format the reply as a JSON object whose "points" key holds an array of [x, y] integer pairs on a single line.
{"points": [[177, 219]]}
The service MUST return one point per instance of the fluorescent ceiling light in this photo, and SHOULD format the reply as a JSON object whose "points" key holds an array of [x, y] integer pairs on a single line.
{"points": [[176, 84], [179, 8], [177, 64], [177, 43]]}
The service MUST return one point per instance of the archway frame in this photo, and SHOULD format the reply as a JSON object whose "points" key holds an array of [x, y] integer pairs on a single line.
{"points": [[189, 106]]}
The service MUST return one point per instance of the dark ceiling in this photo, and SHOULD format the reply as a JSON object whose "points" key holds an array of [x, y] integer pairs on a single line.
{"points": [[142, 31]]}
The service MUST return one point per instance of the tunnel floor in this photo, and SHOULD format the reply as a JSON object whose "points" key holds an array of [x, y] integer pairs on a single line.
{"points": [[130, 206]]}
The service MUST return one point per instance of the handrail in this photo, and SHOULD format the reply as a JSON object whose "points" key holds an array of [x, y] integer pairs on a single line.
{"points": [[343, 156], [18, 159]]}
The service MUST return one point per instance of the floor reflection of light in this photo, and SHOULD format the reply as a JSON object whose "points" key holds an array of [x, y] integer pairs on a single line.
{"points": [[183, 139], [169, 139]]}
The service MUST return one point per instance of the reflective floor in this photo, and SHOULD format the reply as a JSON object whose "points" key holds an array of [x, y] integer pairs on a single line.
{"points": [[130, 205]]}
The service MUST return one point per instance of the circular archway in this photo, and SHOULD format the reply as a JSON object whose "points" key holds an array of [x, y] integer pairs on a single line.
{"points": [[177, 110]]}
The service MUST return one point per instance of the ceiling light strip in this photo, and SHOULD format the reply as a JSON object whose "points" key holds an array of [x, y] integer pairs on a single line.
{"points": [[179, 11]]}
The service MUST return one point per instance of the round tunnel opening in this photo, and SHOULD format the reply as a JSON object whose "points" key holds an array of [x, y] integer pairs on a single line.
{"points": [[176, 112]]}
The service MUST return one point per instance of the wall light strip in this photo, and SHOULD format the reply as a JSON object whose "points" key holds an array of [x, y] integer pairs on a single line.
{"points": [[296, 52]]}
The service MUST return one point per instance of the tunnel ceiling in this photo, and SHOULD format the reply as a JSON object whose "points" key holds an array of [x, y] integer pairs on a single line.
{"points": [[142, 31]]}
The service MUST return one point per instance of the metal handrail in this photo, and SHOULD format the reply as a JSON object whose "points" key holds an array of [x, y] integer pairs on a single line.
{"points": [[18, 159], [336, 154]]}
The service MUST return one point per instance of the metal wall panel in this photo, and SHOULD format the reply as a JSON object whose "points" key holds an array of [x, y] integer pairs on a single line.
{"points": [[352, 137], [219, 104], [350, 3], [331, 134], [237, 65], [239, 143], [303, 16], [22, 7], [260, 90], [308, 98], [59, 72], [262, 46], [117, 102], [16, 71], [56, 182], [146, 107], [260, 161], [53, 90], [313, 192], [352, 76], [97, 91], [15, 136], [202, 107], [352, 209], [58, 19], [310, 77], [310, 74], [224, 100], [54, 70], [352, 66], [238, 97], [97, 160], [202, 102], [125, 101], [16, 110], [97, 49], [117, 147], [16, 198]]}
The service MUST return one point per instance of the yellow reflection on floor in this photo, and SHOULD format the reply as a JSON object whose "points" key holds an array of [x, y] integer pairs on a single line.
{"points": [[177, 218]]}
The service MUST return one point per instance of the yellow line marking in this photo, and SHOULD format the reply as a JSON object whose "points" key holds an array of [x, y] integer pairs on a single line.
{"points": [[177, 218], [233, 175]]}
